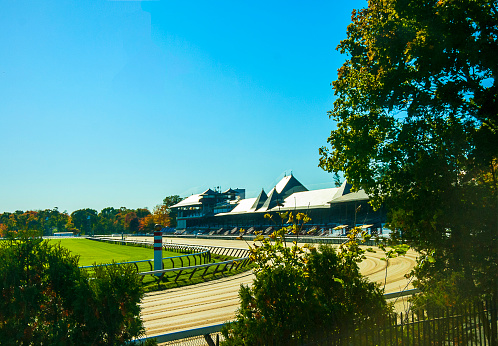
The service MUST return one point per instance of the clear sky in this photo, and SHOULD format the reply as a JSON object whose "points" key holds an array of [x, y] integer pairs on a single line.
{"points": [[122, 103]]}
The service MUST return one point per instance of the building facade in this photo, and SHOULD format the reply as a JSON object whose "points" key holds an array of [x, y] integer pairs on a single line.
{"points": [[331, 210]]}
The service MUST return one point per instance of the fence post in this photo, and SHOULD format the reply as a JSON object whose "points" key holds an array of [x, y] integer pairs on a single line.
{"points": [[158, 248]]}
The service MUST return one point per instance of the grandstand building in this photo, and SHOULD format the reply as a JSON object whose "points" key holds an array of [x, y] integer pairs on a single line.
{"points": [[331, 210]]}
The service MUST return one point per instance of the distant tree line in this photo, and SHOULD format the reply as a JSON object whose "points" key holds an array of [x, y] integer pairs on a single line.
{"points": [[88, 221]]}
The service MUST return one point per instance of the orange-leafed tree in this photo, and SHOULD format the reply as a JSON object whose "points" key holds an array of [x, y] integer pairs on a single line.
{"points": [[3, 230], [161, 215], [131, 222], [146, 223], [70, 226]]}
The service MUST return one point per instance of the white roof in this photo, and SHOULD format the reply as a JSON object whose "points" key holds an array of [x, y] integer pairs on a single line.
{"points": [[189, 201], [281, 184], [352, 196], [309, 199], [297, 200], [243, 206]]}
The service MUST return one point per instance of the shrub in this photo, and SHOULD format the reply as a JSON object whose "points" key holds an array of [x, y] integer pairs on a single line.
{"points": [[303, 293], [47, 299]]}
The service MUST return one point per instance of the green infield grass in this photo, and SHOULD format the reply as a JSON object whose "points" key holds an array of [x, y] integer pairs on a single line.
{"points": [[95, 252], [170, 280], [91, 251]]}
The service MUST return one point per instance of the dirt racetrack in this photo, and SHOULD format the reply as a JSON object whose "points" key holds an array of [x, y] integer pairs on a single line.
{"points": [[216, 301]]}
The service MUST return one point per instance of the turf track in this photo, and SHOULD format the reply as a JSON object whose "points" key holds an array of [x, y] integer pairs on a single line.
{"points": [[91, 252]]}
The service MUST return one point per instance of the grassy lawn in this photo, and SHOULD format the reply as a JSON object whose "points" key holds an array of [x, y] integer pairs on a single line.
{"points": [[91, 251], [168, 281]]}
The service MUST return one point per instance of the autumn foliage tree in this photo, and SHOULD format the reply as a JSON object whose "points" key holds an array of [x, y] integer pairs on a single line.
{"points": [[146, 224], [161, 215], [131, 222], [83, 221], [417, 127]]}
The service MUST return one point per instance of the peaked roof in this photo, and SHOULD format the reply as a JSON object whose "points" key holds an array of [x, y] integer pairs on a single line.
{"points": [[288, 185], [272, 201], [260, 200], [344, 189], [288, 194], [208, 192]]}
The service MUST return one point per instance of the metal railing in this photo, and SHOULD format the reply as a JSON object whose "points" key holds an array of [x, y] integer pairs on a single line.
{"points": [[219, 250], [229, 265], [468, 324], [209, 335], [202, 256], [188, 263], [241, 261], [184, 248]]}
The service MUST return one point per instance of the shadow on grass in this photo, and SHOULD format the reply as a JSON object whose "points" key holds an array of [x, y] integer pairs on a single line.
{"points": [[171, 280]]}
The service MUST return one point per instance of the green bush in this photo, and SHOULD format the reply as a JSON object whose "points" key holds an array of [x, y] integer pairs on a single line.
{"points": [[47, 299], [303, 293]]}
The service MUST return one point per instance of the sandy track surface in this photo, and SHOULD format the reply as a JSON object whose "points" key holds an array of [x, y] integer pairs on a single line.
{"points": [[216, 301], [194, 306]]}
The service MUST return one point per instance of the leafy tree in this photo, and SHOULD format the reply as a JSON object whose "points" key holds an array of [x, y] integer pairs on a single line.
{"points": [[300, 293], [161, 215], [6, 224], [70, 226], [416, 113], [142, 212], [131, 222], [43, 221], [111, 305], [84, 219], [146, 224], [28, 221], [172, 200], [106, 220], [168, 202], [3, 230], [108, 213], [47, 299], [51, 220]]}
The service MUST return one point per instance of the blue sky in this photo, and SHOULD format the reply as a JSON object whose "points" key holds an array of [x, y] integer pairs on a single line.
{"points": [[121, 103]]}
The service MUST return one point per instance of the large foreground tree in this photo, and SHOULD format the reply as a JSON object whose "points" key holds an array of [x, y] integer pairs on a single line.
{"points": [[48, 300], [417, 128]]}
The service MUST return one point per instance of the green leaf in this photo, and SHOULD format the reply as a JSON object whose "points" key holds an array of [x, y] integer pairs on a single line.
{"points": [[339, 281], [430, 259]]}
